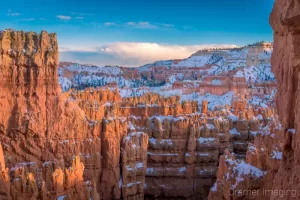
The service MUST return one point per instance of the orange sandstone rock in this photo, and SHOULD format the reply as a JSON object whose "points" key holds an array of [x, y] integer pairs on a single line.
{"points": [[204, 106], [4, 178]]}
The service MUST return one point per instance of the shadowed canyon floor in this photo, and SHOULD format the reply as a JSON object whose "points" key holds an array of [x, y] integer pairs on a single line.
{"points": [[197, 128]]}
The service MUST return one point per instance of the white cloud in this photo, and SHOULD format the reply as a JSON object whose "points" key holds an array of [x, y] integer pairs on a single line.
{"points": [[145, 25], [131, 53], [168, 25], [110, 24], [63, 17], [140, 25], [79, 17], [154, 51], [106, 49], [10, 13], [27, 19], [13, 14], [131, 23], [82, 14]]}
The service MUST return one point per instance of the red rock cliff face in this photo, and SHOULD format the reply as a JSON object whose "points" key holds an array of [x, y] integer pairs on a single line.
{"points": [[28, 71], [36, 118], [31, 103], [34, 114], [285, 21]]}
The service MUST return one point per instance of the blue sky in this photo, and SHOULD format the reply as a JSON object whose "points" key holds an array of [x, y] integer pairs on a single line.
{"points": [[106, 27]]}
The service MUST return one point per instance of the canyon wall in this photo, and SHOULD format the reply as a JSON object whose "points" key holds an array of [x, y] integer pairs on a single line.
{"points": [[285, 21]]}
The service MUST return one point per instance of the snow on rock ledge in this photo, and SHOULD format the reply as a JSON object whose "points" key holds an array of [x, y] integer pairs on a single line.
{"points": [[233, 176]]}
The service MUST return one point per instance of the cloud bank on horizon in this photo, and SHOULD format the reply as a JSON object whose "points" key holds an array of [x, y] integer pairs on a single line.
{"points": [[131, 54], [134, 32]]}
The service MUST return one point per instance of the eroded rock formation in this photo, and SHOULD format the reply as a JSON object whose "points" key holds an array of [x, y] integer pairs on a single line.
{"points": [[92, 143]]}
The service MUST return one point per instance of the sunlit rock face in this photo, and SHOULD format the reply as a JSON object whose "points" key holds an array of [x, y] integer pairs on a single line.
{"points": [[36, 118], [4, 177]]}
